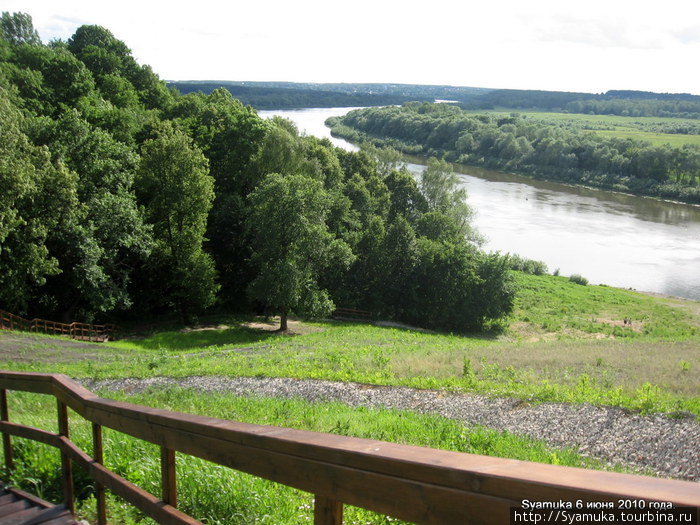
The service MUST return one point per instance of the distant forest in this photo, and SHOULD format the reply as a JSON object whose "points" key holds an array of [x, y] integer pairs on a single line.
{"points": [[543, 149], [123, 198], [287, 95], [623, 103]]}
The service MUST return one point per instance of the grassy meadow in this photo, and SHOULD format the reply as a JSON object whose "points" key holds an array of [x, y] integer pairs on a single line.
{"points": [[563, 342], [638, 128]]}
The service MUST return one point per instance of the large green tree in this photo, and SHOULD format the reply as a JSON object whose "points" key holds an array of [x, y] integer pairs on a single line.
{"points": [[177, 190], [292, 245], [440, 187], [18, 29], [37, 198], [99, 250]]}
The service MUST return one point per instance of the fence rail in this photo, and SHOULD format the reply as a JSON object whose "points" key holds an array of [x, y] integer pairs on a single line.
{"points": [[353, 314], [81, 331], [416, 484]]}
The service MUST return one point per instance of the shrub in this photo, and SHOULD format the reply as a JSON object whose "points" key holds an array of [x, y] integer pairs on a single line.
{"points": [[578, 279]]}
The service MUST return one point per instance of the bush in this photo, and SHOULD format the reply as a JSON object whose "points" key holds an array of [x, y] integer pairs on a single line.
{"points": [[523, 264], [578, 279]]}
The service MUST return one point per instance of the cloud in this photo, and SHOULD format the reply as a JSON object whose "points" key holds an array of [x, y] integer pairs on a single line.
{"points": [[688, 35], [599, 33], [70, 20]]}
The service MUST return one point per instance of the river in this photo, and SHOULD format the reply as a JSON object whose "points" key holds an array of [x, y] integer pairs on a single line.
{"points": [[609, 238]]}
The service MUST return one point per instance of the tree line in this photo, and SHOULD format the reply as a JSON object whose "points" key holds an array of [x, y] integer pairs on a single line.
{"points": [[518, 144], [262, 97], [123, 198], [619, 102]]}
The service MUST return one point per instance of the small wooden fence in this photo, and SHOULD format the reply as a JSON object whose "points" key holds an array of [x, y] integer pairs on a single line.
{"points": [[352, 314], [82, 331], [416, 484]]}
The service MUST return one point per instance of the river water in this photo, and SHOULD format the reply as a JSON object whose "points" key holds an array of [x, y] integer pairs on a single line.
{"points": [[609, 238]]}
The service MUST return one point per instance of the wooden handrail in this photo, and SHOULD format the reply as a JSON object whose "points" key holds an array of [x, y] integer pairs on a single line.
{"points": [[412, 483], [86, 332]]}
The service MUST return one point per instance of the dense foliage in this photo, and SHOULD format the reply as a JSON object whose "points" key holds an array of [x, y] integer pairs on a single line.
{"points": [[543, 149], [263, 97], [122, 197]]}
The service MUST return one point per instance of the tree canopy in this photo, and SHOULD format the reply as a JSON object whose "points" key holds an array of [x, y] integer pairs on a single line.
{"points": [[122, 198], [292, 245]]}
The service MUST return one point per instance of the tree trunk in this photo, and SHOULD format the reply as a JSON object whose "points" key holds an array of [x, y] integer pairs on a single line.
{"points": [[283, 321]]}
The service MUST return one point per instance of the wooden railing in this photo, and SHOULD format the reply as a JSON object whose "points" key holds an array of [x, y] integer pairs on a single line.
{"points": [[352, 314], [412, 483], [82, 331]]}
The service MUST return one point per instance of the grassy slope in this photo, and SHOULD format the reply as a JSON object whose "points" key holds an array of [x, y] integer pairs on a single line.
{"points": [[566, 343], [613, 125]]}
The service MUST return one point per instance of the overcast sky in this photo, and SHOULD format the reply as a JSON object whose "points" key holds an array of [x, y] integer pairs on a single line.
{"points": [[570, 45]]}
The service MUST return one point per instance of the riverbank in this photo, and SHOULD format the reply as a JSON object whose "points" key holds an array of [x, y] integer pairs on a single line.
{"points": [[537, 148]]}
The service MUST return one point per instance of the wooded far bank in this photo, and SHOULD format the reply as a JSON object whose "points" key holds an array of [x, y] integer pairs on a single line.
{"points": [[564, 151]]}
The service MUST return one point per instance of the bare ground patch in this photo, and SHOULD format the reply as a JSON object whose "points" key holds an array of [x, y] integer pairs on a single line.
{"points": [[272, 324], [531, 333], [633, 325], [26, 348]]}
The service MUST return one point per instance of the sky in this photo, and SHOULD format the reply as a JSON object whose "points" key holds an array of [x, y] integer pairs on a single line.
{"points": [[564, 45]]}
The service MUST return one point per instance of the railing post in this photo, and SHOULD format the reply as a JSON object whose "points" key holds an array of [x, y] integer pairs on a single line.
{"points": [[327, 511], [6, 441], [168, 476], [66, 466], [98, 455]]}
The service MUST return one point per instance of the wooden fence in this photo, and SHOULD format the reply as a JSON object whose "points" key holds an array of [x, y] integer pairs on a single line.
{"points": [[352, 314], [416, 484], [82, 331]]}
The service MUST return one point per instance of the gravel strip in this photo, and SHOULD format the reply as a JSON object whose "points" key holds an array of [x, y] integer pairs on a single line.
{"points": [[669, 447]]}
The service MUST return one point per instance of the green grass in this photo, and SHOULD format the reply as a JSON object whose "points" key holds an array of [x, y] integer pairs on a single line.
{"points": [[566, 342], [178, 340], [613, 125], [556, 305], [676, 140], [216, 494]]}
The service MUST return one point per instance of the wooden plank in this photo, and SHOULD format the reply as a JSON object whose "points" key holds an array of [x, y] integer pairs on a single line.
{"points": [[98, 456], [327, 511], [35, 434], [168, 476], [31, 498], [22, 517], [8, 498], [66, 466], [6, 440], [56, 515], [147, 503], [15, 506], [26, 382]]}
